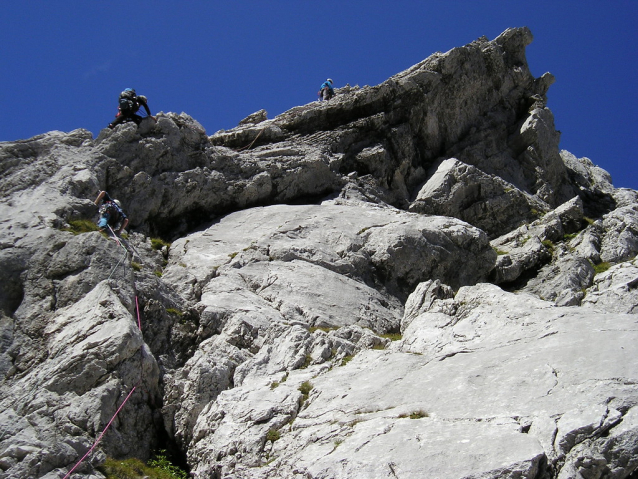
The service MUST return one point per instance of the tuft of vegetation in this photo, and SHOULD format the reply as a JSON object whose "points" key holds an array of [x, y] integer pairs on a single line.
{"points": [[415, 414], [307, 361], [589, 220], [378, 346], [159, 243], [161, 462], [158, 273], [569, 236], [274, 384], [136, 266], [338, 442], [273, 435], [158, 468], [549, 245], [500, 252], [354, 422], [81, 226], [392, 336], [174, 311], [346, 359], [232, 255], [305, 389], [601, 267], [364, 230]]}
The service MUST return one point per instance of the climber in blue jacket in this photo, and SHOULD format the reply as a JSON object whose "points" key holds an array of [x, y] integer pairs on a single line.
{"points": [[111, 213], [326, 91]]}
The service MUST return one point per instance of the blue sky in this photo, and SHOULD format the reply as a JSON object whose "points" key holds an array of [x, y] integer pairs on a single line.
{"points": [[63, 63]]}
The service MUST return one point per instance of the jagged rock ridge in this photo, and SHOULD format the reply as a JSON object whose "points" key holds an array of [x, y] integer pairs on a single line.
{"points": [[405, 281]]}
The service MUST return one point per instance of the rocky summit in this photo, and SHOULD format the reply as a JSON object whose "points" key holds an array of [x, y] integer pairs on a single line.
{"points": [[409, 280]]}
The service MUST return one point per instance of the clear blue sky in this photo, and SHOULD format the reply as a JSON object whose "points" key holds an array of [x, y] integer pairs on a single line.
{"points": [[63, 63]]}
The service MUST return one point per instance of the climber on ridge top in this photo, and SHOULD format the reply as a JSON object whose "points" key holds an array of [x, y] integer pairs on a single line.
{"points": [[111, 213], [325, 90], [129, 104]]}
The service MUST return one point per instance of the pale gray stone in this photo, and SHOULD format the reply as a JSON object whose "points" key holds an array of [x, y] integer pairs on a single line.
{"points": [[615, 289], [269, 342], [485, 201]]}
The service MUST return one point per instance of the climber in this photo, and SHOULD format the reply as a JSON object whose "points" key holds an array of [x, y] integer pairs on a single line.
{"points": [[326, 91], [111, 213], [129, 104]]}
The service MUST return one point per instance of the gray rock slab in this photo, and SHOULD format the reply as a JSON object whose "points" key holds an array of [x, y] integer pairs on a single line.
{"points": [[505, 363]]}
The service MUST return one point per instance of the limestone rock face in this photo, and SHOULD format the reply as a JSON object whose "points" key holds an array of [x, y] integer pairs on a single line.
{"points": [[410, 280], [486, 201]]}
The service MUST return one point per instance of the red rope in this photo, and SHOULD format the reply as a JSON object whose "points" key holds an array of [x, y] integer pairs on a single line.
{"points": [[137, 307], [100, 437], [139, 324]]}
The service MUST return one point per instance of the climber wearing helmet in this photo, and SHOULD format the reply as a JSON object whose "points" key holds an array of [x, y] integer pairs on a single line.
{"points": [[129, 104], [111, 213], [326, 91]]}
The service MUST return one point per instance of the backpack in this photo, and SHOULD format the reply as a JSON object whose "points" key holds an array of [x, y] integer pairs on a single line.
{"points": [[108, 207], [127, 102]]}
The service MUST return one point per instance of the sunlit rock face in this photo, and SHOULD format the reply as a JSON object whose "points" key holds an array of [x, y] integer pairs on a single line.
{"points": [[408, 280]]}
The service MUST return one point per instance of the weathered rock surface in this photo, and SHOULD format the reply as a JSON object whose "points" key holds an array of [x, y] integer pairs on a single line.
{"points": [[409, 280]]}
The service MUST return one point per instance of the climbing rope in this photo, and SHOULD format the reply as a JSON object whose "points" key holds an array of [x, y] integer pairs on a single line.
{"points": [[102, 434], [252, 142], [139, 325]]}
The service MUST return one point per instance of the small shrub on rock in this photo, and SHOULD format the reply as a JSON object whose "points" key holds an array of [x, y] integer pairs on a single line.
{"points": [[81, 226]]}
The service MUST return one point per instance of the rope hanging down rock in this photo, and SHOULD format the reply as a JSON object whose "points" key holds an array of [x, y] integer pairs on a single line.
{"points": [[139, 325]]}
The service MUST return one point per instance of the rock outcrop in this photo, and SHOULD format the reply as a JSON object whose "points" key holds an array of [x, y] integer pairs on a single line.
{"points": [[408, 280]]}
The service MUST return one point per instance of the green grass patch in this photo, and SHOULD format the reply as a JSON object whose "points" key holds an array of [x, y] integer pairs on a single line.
{"points": [[346, 359], [500, 252], [174, 311], [232, 255], [161, 462], [136, 266], [589, 220], [601, 267], [306, 362], [159, 243], [81, 226], [158, 468], [158, 273], [305, 389], [274, 385], [273, 435], [415, 414], [392, 336], [549, 245]]}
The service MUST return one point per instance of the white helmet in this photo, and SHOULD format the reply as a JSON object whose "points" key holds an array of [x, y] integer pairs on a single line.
{"points": [[117, 202], [329, 79]]}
